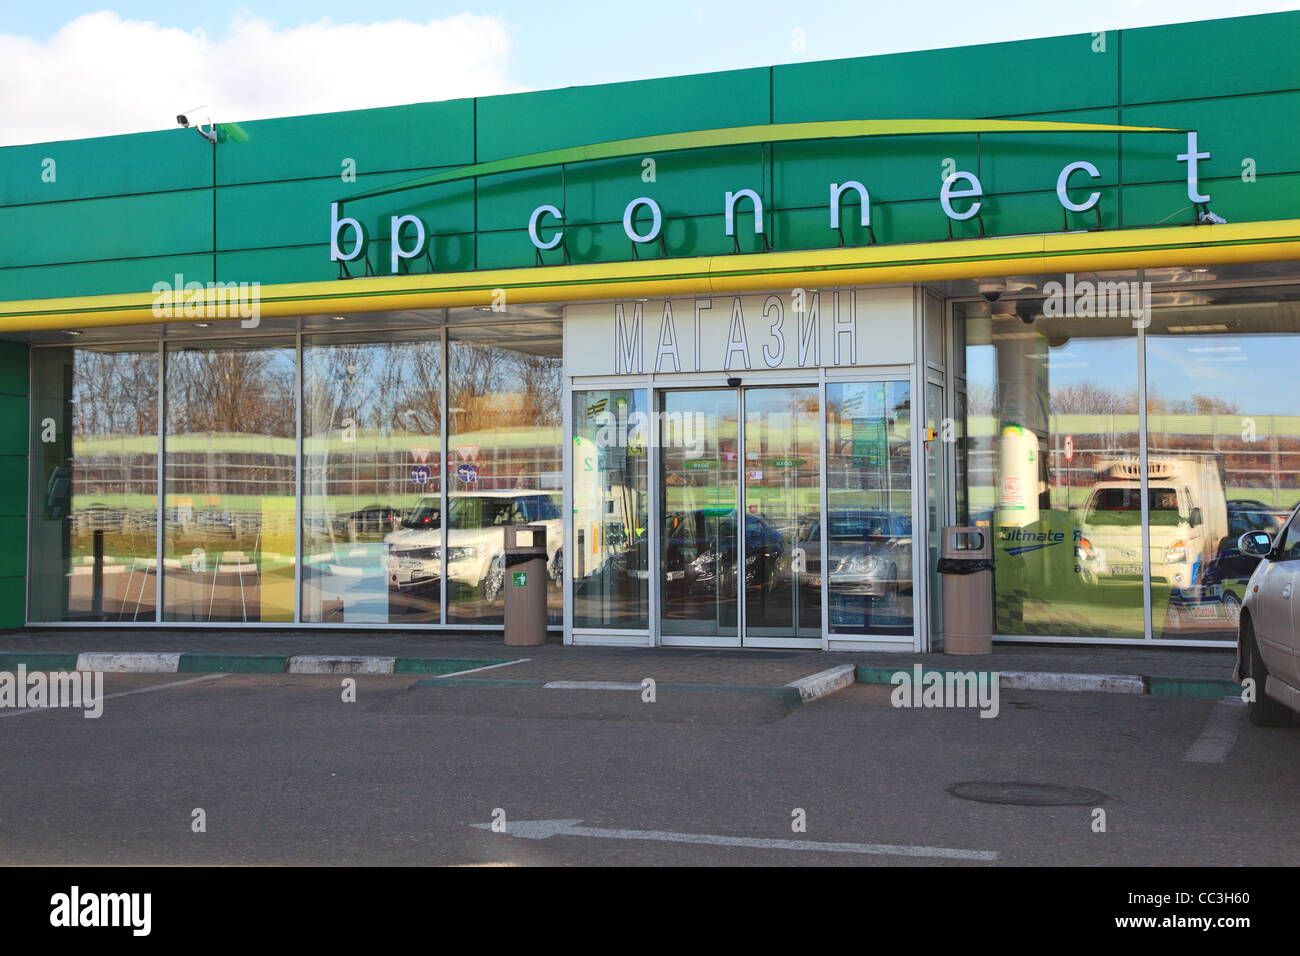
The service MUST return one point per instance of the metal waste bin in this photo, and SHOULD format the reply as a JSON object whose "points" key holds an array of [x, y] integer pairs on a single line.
{"points": [[525, 586], [966, 566]]}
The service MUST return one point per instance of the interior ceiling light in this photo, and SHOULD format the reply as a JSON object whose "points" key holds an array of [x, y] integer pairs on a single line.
{"points": [[1194, 329]]}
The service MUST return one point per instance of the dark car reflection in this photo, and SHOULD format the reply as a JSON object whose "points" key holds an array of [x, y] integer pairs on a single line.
{"points": [[700, 553]]}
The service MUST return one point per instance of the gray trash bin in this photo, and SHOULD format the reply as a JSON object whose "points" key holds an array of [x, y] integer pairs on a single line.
{"points": [[966, 575], [525, 586]]}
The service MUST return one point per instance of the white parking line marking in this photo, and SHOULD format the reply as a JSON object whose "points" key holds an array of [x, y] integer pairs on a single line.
{"points": [[122, 693], [590, 685], [1220, 733], [475, 670], [544, 829]]}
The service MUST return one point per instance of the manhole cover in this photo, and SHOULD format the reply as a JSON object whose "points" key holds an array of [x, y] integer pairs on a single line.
{"points": [[1026, 794]]}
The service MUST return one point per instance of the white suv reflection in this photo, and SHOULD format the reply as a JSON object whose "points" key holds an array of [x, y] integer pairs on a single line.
{"points": [[475, 539]]}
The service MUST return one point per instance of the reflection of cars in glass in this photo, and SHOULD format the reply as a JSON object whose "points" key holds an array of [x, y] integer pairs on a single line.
{"points": [[1268, 648], [1231, 568], [369, 521], [475, 539], [869, 554], [427, 514], [700, 551], [1187, 514]]}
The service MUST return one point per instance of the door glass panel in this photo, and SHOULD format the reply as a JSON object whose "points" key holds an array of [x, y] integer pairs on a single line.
{"points": [[611, 576], [869, 507], [782, 477], [698, 492], [94, 481], [230, 478], [372, 453]]}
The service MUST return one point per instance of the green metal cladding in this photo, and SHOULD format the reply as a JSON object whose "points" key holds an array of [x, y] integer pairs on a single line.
{"points": [[125, 212]]}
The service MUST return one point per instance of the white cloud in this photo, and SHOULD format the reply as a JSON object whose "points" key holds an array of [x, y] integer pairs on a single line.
{"points": [[101, 74]]}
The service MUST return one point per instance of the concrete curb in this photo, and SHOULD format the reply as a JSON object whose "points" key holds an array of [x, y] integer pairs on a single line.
{"points": [[150, 662], [439, 669], [824, 682], [1155, 686]]}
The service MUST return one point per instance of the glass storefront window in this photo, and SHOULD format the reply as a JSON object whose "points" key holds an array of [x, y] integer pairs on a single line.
{"points": [[1052, 426], [94, 484], [230, 480], [611, 570], [504, 463], [372, 473], [869, 507], [1223, 448]]}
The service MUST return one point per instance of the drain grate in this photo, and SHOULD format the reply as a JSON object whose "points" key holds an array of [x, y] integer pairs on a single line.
{"points": [[1026, 794]]}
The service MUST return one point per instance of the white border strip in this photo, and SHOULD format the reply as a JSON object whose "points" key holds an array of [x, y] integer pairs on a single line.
{"points": [[824, 682], [139, 662], [1046, 680], [330, 664]]}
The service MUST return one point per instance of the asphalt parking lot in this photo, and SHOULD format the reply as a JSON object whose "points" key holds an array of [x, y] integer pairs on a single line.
{"points": [[284, 770]]}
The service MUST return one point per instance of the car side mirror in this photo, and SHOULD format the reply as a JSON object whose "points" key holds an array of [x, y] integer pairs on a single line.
{"points": [[1255, 543]]}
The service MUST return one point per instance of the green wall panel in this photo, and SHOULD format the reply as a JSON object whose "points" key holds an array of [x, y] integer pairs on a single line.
{"points": [[530, 122], [13, 486], [1230, 129], [105, 277], [1211, 58], [286, 264], [12, 601], [894, 169], [995, 79], [13, 559], [120, 227], [298, 213], [105, 166], [1271, 197], [15, 370], [378, 140], [13, 424]]}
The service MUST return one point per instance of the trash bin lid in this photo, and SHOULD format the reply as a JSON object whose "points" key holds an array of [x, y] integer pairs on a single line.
{"points": [[963, 541]]}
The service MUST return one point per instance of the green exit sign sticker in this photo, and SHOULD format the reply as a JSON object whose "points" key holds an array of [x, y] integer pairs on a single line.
{"points": [[521, 578]]}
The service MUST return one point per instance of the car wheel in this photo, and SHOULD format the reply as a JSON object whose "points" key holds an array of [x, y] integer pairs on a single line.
{"points": [[1263, 711], [1232, 608], [495, 580]]}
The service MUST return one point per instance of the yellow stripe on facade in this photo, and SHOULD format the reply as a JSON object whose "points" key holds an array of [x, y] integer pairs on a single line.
{"points": [[710, 275]]}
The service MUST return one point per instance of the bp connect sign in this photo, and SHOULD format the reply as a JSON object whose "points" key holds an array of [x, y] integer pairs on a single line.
{"points": [[960, 194]]}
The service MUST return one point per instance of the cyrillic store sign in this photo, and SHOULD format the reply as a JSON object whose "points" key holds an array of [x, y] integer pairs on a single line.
{"points": [[801, 329]]}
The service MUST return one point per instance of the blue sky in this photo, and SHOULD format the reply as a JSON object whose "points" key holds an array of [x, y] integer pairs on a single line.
{"points": [[73, 70], [561, 43]]}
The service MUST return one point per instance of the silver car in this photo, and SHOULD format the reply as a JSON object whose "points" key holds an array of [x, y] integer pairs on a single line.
{"points": [[1268, 632]]}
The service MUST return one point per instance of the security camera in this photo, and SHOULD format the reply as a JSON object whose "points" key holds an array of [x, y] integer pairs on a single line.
{"points": [[733, 383], [182, 119], [992, 291]]}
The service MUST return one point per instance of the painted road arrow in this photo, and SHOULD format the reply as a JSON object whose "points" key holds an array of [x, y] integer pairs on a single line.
{"points": [[544, 829]]}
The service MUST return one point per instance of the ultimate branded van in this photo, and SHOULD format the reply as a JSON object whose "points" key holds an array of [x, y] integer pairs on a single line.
{"points": [[1187, 513]]}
